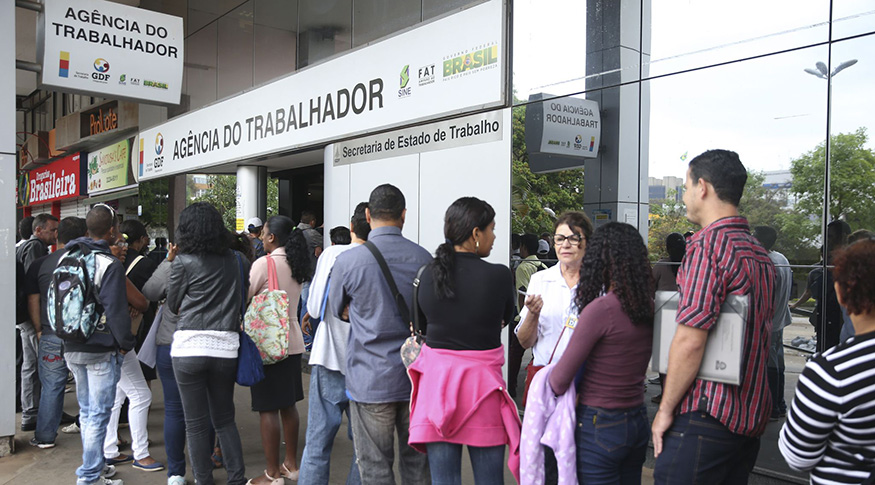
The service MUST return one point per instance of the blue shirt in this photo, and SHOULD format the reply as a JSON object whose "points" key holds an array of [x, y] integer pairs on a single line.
{"points": [[374, 372]]}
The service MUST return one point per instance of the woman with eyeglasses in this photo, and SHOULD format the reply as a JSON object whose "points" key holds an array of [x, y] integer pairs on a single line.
{"points": [[613, 336], [550, 314]]}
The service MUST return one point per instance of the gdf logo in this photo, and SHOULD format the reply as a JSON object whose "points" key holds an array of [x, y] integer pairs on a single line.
{"points": [[101, 66], [158, 162]]}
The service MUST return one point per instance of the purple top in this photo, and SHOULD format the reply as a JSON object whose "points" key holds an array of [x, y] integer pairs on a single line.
{"points": [[616, 352]]}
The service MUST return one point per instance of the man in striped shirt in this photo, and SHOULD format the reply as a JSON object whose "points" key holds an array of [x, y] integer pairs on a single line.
{"points": [[708, 432]]}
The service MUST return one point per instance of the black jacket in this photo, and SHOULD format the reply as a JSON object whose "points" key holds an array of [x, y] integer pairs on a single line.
{"points": [[115, 333], [205, 290]]}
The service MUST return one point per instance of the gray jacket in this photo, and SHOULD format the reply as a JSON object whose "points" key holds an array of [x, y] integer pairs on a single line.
{"points": [[156, 290], [204, 290]]}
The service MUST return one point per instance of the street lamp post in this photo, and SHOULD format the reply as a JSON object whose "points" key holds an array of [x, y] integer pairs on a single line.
{"points": [[822, 72]]}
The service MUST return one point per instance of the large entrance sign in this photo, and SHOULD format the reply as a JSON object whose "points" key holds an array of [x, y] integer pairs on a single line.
{"points": [[451, 66], [110, 50]]}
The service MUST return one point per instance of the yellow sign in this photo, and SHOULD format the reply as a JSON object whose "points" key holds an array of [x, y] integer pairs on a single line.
{"points": [[239, 224]]}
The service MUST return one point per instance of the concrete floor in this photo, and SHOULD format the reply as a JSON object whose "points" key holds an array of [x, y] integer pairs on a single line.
{"points": [[57, 465]]}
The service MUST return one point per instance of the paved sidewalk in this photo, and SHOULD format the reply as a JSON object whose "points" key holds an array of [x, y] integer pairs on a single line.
{"points": [[57, 465]]}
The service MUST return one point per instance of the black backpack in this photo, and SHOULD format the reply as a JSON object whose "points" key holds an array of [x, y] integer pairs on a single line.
{"points": [[73, 308]]}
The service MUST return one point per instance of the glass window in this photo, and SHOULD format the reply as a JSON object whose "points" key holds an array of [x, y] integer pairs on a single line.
{"points": [[170, 7], [202, 12], [374, 19], [435, 8], [687, 35], [562, 48], [200, 66], [276, 37], [852, 17], [325, 29], [770, 123], [235, 50]]}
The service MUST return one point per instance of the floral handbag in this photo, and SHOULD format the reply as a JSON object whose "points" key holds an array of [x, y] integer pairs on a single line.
{"points": [[267, 319]]}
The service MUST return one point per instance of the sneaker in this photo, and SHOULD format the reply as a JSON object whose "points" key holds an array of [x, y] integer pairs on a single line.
{"points": [[72, 429], [108, 471], [28, 426], [176, 480], [43, 445], [109, 481]]}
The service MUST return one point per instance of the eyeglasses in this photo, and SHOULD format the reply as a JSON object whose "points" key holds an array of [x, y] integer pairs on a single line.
{"points": [[121, 244], [574, 239]]}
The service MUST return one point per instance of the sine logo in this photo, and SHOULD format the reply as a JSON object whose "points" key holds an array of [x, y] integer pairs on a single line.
{"points": [[159, 144], [101, 65]]}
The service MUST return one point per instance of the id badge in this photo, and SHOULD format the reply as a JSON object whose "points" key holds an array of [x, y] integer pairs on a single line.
{"points": [[571, 321]]}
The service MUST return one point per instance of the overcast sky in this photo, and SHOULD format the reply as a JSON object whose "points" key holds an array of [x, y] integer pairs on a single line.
{"points": [[768, 109]]}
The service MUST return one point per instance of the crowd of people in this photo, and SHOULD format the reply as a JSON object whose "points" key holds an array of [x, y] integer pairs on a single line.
{"points": [[372, 301]]}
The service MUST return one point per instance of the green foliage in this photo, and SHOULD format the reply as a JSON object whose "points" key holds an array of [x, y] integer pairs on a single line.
{"points": [[531, 193], [666, 216], [153, 195], [852, 178], [223, 195]]}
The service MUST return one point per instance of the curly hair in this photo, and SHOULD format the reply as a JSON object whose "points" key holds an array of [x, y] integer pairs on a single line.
{"points": [[855, 274], [201, 230], [241, 243], [461, 218], [617, 257], [297, 250]]}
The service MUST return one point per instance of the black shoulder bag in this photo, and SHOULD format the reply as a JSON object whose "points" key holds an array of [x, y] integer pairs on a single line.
{"points": [[411, 347]]}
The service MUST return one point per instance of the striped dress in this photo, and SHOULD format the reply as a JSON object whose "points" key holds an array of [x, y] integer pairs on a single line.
{"points": [[831, 426]]}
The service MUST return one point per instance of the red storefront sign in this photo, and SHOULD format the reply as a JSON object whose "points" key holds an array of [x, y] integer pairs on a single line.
{"points": [[59, 180]]}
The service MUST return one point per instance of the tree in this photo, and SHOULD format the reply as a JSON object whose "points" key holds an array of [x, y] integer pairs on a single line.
{"points": [[531, 193], [852, 178], [223, 195], [153, 196], [666, 216]]}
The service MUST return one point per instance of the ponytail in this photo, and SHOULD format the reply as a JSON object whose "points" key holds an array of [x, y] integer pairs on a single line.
{"points": [[442, 268]]}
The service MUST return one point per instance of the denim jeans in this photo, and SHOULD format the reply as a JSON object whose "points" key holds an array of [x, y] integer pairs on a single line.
{"points": [[174, 417], [131, 385], [53, 379], [302, 309], [206, 385], [30, 384], [327, 403], [699, 449], [373, 429], [611, 444], [775, 372], [95, 390], [445, 462]]}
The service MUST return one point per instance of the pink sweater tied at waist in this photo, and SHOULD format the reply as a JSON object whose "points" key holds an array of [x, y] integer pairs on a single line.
{"points": [[459, 396]]}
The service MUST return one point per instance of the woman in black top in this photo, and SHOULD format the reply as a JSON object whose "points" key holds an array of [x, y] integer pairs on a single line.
{"points": [[464, 302]]}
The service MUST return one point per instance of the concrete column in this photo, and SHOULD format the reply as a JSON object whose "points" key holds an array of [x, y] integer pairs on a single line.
{"points": [[7, 224], [617, 37], [177, 200], [251, 194]]}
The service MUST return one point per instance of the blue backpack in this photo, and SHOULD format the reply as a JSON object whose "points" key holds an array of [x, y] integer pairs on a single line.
{"points": [[73, 309]]}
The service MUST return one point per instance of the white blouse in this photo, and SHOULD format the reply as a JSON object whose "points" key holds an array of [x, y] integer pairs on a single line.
{"points": [[558, 315]]}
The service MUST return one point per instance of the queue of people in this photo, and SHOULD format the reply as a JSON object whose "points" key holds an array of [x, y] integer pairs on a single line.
{"points": [[375, 295]]}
